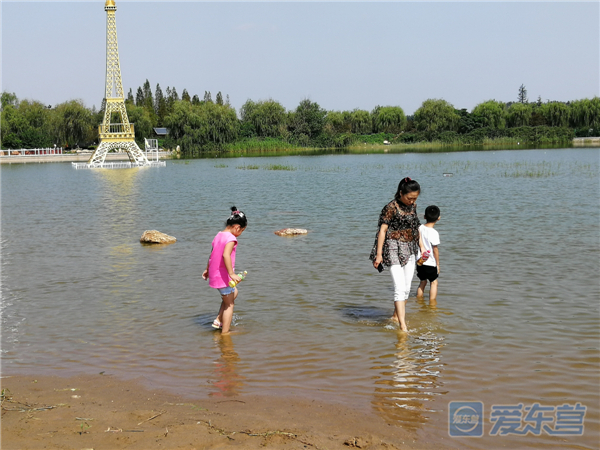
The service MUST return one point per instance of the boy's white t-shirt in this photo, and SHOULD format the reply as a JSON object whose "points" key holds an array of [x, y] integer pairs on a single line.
{"points": [[430, 238]]}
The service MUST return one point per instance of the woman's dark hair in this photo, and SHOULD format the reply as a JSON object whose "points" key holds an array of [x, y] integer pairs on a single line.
{"points": [[237, 218], [405, 186]]}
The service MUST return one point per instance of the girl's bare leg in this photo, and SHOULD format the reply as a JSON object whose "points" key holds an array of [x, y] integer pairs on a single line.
{"points": [[400, 312], [222, 308], [229, 301]]}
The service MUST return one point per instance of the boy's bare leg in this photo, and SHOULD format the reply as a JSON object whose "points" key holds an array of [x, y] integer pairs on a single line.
{"points": [[421, 288], [400, 313], [433, 291]]}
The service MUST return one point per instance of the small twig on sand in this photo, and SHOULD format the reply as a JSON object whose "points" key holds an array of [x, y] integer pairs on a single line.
{"points": [[266, 434], [153, 417]]}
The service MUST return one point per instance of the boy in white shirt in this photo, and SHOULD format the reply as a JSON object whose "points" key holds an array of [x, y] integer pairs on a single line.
{"points": [[430, 269]]}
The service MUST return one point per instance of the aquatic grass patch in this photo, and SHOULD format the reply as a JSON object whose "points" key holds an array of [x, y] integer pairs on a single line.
{"points": [[279, 167], [221, 166], [248, 167]]}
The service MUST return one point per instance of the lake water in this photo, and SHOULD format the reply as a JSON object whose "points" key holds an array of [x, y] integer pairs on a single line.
{"points": [[518, 312]]}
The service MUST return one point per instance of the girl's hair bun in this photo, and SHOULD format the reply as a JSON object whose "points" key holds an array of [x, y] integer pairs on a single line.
{"points": [[237, 218]]}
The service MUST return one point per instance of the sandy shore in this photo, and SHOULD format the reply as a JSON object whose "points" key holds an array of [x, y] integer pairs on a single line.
{"points": [[103, 412]]}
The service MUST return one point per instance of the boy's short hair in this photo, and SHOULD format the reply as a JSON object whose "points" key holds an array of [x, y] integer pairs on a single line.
{"points": [[432, 213]]}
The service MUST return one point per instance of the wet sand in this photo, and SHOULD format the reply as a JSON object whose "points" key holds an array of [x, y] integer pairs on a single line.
{"points": [[101, 411]]}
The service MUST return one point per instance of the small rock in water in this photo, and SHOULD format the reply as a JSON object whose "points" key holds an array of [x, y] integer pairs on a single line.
{"points": [[291, 232], [156, 237]]}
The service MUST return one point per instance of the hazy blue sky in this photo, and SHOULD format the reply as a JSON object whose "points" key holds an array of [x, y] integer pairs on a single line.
{"points": [[343, 55]]}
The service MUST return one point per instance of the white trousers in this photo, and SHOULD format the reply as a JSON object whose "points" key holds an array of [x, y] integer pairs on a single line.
{"points": [[402, 277]]}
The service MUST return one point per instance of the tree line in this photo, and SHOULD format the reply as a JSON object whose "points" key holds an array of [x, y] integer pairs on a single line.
{"points": [[198, 125]]}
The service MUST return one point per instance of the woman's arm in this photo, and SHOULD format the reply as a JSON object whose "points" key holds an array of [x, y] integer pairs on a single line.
{"points": [[380, 240], [227, 260]]}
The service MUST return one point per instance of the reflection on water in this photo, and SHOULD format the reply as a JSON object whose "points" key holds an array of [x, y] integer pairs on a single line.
{"points": [[411, 374], [80, 294], [228, 381]]}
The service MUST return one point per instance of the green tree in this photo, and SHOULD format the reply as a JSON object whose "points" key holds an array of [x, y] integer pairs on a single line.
{"points": [[267, 118], [556, 114], [219, 99], [585, 113], [436, 115], [185, 97], [9, 98], [522, 94], [195, 99], [130, 98], [519, 115], [207, 97], [74, 124], [306, 122], [26, 125], [139, 97], [142, 120], [388, 119], [492, 114], [202, 127], [361, 122], [337, 122]]}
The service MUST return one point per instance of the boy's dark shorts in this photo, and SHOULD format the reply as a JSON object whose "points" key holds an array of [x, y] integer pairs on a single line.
{"points": [[427, 273]]}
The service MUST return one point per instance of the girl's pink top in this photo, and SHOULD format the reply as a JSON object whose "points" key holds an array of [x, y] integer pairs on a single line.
{"points": [[218, 277]]}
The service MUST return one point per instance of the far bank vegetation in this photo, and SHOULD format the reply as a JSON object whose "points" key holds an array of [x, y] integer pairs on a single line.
{"points": [[205, 125]]}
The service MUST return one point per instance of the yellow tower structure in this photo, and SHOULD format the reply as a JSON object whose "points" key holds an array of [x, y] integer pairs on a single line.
{"points": [[120, 134]]}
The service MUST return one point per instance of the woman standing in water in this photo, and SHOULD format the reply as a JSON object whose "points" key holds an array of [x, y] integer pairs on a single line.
{"points": [[397, 243]]}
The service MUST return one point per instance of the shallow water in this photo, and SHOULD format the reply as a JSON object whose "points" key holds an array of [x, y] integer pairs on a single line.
{"points": [[517, 318]]}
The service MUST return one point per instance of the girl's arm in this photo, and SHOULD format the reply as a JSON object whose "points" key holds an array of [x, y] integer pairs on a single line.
{"points": [[436, 255], [380, 240], [227, 260], [205, 273]]}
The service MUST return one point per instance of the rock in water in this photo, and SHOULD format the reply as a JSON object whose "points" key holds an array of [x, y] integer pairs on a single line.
{"points": [[291, 232], [156, 237]]}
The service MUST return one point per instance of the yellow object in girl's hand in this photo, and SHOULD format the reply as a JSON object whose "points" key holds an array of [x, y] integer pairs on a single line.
{"points": [[233, 283]]}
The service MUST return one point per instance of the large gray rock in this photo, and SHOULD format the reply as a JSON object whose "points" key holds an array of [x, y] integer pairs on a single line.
{"points": [[156, 237]]}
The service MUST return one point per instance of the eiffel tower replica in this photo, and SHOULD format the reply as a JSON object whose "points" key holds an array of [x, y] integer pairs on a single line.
{"points": [[120, 135]]}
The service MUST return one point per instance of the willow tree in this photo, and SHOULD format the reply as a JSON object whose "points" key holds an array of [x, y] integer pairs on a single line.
{"points": [[557, 114], [585, 113], [436, 115], [388, 119], [337, 122], [201, 127], [267, 118], [492, 114], [74, 124], [361, 122], [519, 115]]}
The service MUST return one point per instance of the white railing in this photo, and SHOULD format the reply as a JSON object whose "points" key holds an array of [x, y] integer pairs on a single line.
{"points": [[33, 152]]}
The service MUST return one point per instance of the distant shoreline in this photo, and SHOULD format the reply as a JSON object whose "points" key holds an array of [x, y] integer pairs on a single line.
{"points": [[26, 159]]}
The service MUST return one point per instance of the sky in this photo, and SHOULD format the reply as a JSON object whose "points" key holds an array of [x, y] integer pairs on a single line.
{"points": [[342, 55]]}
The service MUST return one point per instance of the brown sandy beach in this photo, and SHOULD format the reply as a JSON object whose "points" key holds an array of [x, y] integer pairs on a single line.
{"points": [[103, 412]]}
